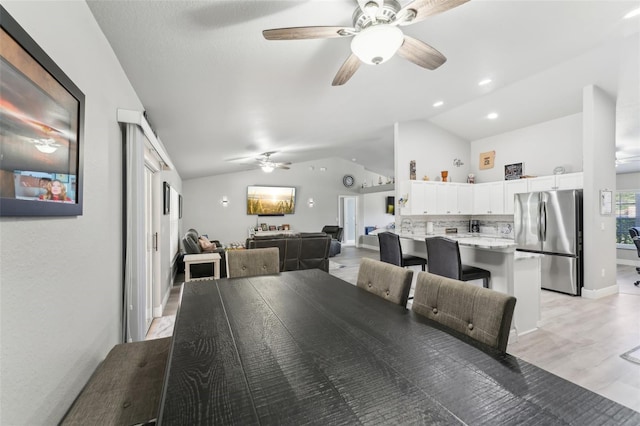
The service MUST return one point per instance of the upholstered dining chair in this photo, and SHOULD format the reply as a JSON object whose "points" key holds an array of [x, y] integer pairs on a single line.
{"points": [[391, 252], [481, 314], [390, 282], [253, 262], [635, 237], [444, 260]]}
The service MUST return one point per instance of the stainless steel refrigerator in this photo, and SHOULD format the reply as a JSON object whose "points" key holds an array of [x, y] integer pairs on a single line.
{"points": [[550, 223]]}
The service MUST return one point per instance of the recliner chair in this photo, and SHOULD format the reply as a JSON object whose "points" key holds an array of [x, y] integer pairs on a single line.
{"points": [[635, 236], [336, 238]]}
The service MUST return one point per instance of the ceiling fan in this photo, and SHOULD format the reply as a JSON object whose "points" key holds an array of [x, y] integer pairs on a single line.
{"points": [[267, 165], [376, 36]]}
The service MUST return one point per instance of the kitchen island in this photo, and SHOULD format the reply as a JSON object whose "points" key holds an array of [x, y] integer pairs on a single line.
{"points": [[512, 272]]}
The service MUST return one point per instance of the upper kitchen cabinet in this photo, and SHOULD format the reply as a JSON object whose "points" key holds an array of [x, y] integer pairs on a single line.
{"points": [[422, 197], [553, 182], [512, 187], [488, 198], [453, 198]]}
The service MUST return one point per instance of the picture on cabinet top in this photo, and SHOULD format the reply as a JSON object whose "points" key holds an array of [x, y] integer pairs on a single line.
{"points": [[512, 171]]}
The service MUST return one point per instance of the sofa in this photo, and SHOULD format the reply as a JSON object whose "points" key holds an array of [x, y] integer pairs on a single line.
{"points": [[191, 245], [297, 251]]}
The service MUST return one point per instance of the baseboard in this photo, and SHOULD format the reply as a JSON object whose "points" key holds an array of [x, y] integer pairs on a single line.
{"points": [[599, 293], [370, 247], [157, 310]]}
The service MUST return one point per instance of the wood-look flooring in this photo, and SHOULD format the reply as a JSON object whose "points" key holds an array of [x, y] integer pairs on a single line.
{"points": [[579, 339]]}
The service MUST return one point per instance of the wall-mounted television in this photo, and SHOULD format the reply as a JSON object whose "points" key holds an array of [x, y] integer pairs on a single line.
{"points": [[271, 200]]}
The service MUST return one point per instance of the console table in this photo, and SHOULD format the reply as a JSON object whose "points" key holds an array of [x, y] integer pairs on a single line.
{"points": [[193, 259]]}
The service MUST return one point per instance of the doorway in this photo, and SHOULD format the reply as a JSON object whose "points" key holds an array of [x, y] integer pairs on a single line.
{"points": [[347, 218]]}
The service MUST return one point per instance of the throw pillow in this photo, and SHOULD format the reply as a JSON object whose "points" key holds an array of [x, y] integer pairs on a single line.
{"points": [[206, 245]]}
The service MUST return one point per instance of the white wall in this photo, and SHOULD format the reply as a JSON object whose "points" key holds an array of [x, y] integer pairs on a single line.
{"points": [[61, 291], [374, 209], [203, 211], [433, 149], [540, 147], [599, 173]]}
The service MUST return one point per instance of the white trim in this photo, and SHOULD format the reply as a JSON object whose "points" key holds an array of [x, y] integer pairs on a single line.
{"points": [[599, 293], [367, 246], [136, 117]]}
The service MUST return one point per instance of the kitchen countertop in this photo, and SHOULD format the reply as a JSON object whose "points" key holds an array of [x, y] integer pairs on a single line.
{"points": [[489, 241]]}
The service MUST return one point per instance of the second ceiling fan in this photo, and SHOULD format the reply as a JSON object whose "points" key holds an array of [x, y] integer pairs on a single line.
{"points": [[376, 36]]}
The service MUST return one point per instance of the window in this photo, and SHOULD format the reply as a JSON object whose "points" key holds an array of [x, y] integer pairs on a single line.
{"points": [[627, 203]]}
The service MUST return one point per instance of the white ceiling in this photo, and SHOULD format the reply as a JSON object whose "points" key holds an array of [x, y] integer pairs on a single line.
{"points": [[216, 90]]}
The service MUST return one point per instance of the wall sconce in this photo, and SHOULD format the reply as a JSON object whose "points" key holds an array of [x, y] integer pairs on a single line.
{"points": [[457, 162], [224, 201], [310, 202]]}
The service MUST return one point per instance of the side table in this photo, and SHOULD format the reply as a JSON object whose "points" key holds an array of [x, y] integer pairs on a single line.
{"points": [[193, 259]]}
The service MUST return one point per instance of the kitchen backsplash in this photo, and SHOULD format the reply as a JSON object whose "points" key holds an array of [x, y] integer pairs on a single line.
{"points": [[500, 226]]}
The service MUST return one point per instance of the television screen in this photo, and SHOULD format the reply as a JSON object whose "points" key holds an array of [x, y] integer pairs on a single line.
{"points": [[271, 200]]}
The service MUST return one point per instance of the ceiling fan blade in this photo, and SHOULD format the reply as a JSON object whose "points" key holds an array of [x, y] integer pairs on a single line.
{"points": [[302, 33], [346, 71], [280, 166], [420, 53], [425, 8]]}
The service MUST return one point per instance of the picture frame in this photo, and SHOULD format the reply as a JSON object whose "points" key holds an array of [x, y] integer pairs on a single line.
{"points": [[606, 202], [166, 198], [513, 171], [264, 227], [272, 228], [180, 206], [487, 160], [42, 120], [286, 227]]}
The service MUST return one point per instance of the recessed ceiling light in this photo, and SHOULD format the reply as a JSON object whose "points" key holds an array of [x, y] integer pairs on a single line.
{"points": [[484, 82], [438, 104], [323, 169], [492, 115], [353, 159], [633, 13]]}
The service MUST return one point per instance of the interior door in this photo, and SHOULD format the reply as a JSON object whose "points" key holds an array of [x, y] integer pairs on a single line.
{"points": [[347, 218]]}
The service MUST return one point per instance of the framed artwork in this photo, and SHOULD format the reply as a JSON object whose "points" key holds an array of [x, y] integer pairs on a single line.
{"points": [[272, 228], [42, 124], [286, 227], [513, 171], [166, 198], [606, 202], [179, 206], [487, 160], [264, 227]]}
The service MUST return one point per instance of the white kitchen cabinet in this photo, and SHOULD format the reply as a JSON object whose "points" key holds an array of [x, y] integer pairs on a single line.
{"points": [[454, 198], [512, 187], [553, 182], [488, 198], [422, 198], [465, 198]]}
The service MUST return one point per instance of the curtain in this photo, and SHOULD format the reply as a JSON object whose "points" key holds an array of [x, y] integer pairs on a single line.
{"points": [[134, 295]]}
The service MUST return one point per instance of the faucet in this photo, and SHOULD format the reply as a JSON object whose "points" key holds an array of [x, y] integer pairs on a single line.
{"points": [[406, 226]]}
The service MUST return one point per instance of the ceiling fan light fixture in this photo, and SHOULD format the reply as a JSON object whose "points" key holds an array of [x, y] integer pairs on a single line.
{"points": [[268, 167], [377, 44]]}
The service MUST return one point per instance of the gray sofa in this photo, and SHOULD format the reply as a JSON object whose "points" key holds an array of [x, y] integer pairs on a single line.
{"points": [[298, 251]]}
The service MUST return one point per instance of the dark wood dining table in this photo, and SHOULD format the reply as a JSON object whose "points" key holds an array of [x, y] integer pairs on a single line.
{"points": [[305, 347]]}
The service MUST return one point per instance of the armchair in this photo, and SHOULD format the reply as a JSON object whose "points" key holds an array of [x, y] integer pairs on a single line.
{"points": [[336, 238]]}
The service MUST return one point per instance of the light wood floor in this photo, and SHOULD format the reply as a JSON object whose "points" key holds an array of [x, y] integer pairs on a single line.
{"points": [[579, 339]]}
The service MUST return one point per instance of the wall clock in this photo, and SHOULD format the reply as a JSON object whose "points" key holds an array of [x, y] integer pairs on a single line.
{"points": [[348, 181]]}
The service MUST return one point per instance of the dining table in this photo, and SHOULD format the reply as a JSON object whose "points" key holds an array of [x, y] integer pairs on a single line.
{"points": [[305, 347]]}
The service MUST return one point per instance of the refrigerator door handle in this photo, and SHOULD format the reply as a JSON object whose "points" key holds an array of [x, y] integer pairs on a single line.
{"points": [[543, 221]]}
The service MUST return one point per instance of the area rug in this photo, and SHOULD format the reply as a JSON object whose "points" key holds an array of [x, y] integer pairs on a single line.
{"points": [[633, 355]]}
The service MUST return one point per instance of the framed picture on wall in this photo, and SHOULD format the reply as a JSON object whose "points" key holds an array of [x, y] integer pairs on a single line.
{"points": [[166, 197], [179, 206], [42, 121], [513, 171]]}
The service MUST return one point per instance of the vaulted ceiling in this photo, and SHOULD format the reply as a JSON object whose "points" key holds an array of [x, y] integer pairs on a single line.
{"points": [[217, 91]]}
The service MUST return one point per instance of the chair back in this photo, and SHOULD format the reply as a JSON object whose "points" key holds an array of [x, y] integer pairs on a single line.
{"points": [[480, 313], [390, 248], [390, 282], [443, 255], [333, 230], [253, 262], [635, 236]]}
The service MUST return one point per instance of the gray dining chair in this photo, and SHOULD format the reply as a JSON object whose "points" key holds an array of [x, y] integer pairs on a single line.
{"points": [[480, 313], [253, 262], [390, 282], [391, 252], [444, 260]]}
